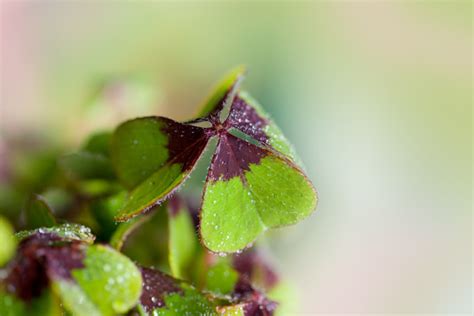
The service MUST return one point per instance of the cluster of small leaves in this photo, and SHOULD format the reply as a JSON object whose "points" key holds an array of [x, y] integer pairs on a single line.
{"points": [[140, 248], [59, 270]]}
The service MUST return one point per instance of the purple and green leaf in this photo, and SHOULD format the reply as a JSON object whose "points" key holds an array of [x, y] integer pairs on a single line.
{"points": [[75, 271], [253, 183], [249, 117], [153, 156], [248, 190], [164, 295]]}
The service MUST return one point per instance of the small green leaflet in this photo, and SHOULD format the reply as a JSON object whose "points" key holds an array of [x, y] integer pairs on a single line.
{"points": [[38, 213], [8, 241], [182, 243], [221, 277], [254, 182], [125, 229]]}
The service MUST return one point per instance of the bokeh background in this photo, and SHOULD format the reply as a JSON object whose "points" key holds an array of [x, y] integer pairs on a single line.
{"points": [[375, 95]]}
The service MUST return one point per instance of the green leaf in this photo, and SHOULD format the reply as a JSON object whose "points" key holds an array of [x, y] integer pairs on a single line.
{"points": [[191, 302], [11, 306], [34, 170], [125, 229], [215, 101], [149, 244], [8, 241], [67, 232], [182, 238], [286, 296], [85, 165], [38, 213], [99, 143], [97, 187], [152, 157], [46, 304], [104, 210], [109, 284], [248, 190], [221, 278]]}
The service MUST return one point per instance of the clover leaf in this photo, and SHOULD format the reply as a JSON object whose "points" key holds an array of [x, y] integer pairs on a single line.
{"points": [[153, 156], [88, 279], [103, 271], [254, 181], [165, 295]]}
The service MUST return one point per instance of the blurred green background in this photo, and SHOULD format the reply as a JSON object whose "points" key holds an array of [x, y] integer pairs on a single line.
{"points": [[376, 97]]}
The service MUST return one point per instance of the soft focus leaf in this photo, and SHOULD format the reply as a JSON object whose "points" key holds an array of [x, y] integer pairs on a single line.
{"points": [[125, 229], [104, 210], [11, 306], [59, 199], [287, 298], [182, 238], [8, 241], [153, 156], [248, 190], [99, 143], [45, 305], [221, 278], [95, 188], [38, 213], [34, 170], [149, 244], [87, 165]]}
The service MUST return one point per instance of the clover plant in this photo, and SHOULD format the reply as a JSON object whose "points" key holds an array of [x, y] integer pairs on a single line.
{"points": [[102, 230]]}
